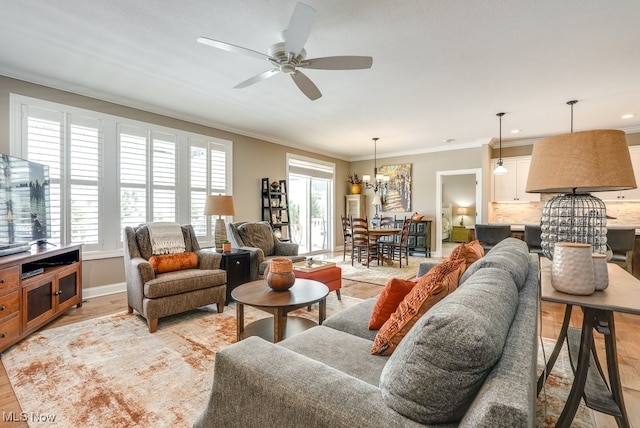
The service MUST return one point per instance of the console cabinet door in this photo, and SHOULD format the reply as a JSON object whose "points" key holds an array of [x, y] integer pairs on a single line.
{"points": [[68, 289], [38, 301]]}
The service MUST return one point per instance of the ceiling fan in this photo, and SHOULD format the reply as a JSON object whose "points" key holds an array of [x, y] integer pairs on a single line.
{"points": [[289, 56]]}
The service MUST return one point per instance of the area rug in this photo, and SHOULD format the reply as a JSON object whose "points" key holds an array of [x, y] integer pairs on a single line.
{"points": [[110, 371], [556, 390], [378, 274]]}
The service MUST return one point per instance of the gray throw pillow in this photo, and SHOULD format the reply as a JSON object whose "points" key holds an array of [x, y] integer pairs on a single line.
{"points": [[438, 368], [511, 255]]}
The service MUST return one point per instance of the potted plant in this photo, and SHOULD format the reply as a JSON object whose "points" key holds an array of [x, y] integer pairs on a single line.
{"points": [[356, 184], [226, 246]]}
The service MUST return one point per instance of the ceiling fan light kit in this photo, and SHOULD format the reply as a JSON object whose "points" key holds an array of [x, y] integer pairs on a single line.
{"points": [[289, 56]]}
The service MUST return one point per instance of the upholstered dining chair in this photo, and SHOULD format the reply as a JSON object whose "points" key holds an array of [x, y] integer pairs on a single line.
{"points": [[361, 243], [168, 284], [621, 241], [532, 238], [490, 234]]}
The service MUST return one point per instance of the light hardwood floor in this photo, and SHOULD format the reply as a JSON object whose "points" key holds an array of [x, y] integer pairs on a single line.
{"points": [[628, 328]]}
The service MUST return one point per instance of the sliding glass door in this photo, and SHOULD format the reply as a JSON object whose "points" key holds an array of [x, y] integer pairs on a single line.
{"points": [[311, 205]]}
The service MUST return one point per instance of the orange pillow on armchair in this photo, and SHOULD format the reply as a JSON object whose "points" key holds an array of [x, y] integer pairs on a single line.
{"points": [[170, 262]]}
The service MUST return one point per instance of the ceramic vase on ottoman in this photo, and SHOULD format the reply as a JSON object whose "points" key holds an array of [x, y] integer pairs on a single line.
{"points": [[280, 275], [572, 268]]}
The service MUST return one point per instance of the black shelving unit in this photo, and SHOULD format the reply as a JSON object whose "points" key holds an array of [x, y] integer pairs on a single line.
{"points": [[275, 207]]}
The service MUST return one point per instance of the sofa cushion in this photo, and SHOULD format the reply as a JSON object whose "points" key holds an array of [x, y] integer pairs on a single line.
{"points": [[437, 370], [392, 294], [342, 351], [430, 289], [170, 262], [510, 254], [470, 252], [181, 282], [354, 320], [259, 235]]}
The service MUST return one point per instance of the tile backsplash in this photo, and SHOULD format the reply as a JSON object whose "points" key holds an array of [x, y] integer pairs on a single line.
{"points": [[626, 213]]}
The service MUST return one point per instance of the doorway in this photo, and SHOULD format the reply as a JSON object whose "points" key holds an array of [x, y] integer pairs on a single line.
{"points": [[456, 189]]}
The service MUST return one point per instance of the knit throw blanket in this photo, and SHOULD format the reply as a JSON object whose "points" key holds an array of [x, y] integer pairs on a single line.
{"points": [[166, 238]]}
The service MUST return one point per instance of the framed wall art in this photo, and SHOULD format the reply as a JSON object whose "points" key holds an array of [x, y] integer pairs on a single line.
{"points": [[397, 196]]}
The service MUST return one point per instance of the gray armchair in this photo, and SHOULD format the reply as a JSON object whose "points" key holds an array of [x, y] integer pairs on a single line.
{"points": [[259, 239], [156, 295]]}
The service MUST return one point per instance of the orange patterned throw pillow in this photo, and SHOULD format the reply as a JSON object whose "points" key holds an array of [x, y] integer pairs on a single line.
{"points": [[388, 301], [468, 252], [170, 262], [431, 288]]}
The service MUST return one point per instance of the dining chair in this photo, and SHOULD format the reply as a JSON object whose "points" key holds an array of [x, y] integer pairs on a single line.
{"points": [[532, 236], [399, 247], [622, 240], [490, 234], [346, 235], [361, 242], [386, 222]]}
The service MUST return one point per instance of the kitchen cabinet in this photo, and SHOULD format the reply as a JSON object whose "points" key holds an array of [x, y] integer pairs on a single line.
{"points": [[626, 195], [511, 186]]}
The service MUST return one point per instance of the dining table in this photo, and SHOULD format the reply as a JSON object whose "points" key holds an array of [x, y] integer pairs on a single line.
{"points": [[377, 233]]}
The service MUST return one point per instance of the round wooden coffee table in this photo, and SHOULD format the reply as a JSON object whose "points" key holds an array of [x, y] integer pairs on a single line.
{"points": [[279, 303]]}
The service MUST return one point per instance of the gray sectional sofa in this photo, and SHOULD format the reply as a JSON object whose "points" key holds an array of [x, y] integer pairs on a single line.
{"points": [[470, 361]]}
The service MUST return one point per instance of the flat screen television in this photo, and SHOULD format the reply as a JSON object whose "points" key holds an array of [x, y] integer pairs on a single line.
{"points": [[25, 212]]}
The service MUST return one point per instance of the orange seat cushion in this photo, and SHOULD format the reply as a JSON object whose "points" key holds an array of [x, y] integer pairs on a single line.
{"points": [[170, 262], [430, 289], [392, 294]]}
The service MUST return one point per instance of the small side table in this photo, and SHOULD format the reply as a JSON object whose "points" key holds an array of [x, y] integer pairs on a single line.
{"points": [[460, 234], [237, 264], [622, 296]]}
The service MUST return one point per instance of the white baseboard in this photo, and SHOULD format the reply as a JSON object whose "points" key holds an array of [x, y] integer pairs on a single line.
{"points": [[103, 290]]}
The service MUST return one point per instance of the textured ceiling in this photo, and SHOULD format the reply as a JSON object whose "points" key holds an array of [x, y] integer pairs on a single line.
{"points": [[441, 69]]}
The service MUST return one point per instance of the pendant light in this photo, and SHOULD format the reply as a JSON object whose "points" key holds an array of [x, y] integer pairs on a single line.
{"points": [[500, 169], [379, 181]]}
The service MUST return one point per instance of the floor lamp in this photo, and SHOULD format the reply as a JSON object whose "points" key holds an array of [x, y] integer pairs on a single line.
{"points": [[572, 166], [219, 205]]}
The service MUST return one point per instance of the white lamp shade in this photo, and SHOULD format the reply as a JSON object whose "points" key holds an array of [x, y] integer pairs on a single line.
{"points": [[500, 170], [376, 200]]}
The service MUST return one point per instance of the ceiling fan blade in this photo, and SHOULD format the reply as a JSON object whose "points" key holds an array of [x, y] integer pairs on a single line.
{"points": [[299, 28], [258, 78], [231, 48], [339, 63], [306, 85]]}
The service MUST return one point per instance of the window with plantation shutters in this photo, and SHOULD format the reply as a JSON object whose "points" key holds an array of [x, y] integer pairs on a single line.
{"points": [[77, 151], [109, 172], [209, 174]]}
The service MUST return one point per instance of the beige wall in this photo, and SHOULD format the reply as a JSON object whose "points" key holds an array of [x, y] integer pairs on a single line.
{"points": [[252, 160]]}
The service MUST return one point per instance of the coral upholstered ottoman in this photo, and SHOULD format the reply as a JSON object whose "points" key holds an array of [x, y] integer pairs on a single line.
{"points": [[329, 276]]}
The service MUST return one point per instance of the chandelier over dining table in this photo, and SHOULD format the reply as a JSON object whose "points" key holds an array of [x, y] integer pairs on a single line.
{"points": [[380, 181]]}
